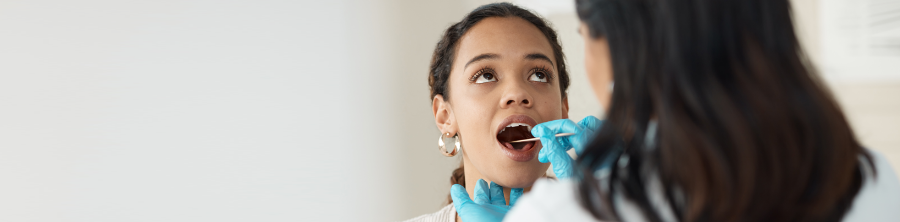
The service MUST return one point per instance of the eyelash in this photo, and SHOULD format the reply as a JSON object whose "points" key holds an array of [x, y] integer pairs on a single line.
{"points": [[544, 70], [485, 70], [481, 72]]}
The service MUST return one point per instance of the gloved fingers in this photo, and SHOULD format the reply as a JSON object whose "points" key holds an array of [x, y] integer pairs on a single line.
{"points": [[562, 163], [482, 192], [580, 141], [549, 146], [568, 126], [562, 166], [569, 142], [548, 140], [514, 195], [497, 194], [459, 195], [550, 151], [551, 128], [560, 125], [591, 123]]}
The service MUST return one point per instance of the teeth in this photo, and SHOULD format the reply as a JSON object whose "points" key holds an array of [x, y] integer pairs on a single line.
{"points": [[515, 125]]}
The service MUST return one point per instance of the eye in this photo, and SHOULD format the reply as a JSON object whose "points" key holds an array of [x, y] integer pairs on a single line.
{"points": [[539, 75], [483, 76]]}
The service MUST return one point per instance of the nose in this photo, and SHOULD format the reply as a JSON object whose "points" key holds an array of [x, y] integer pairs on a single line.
{"points": [[516, 96]]}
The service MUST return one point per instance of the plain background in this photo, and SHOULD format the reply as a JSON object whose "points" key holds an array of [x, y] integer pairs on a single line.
{"points": [[268, 110]]}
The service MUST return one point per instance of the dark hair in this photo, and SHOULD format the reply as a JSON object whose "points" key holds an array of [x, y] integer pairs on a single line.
{"points": [[445, 51], [746, 131]]}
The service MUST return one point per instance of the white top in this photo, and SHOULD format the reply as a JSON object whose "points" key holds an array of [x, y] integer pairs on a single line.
{"points": [[877, 200], [446, 214]]}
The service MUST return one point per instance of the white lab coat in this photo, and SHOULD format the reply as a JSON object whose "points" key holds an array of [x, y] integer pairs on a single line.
{"points": [[878, 200]]}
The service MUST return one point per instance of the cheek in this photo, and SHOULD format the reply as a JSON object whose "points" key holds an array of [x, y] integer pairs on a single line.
{"points": [[599, 74], [474, 118], [471, 106], [589, 66], [551, 107], [598, 67]]}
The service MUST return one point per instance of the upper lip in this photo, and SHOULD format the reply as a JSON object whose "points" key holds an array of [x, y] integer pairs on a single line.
{"points": [[518, 118]]}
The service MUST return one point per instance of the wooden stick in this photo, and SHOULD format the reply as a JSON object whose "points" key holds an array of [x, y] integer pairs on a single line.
{"points": [[536, 139]]}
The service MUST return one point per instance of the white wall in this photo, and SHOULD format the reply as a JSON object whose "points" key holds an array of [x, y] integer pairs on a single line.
{"points": [[856, 48], [200, 111]]}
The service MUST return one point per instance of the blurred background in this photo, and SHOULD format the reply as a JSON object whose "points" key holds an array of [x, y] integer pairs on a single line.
{"points": [[271, 110]]}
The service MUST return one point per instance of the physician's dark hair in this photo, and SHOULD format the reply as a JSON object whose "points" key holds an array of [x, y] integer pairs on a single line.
{"points": [[744, 129], [444, 54]]}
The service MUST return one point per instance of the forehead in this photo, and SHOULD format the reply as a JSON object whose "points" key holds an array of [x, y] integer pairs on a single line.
{"points": [[509, 37]]}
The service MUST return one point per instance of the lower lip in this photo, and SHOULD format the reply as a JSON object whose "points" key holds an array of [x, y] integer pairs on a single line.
{"points": [[522, 155]]}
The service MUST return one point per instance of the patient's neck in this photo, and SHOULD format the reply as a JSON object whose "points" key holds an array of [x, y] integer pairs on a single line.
{"points": [[472, 175]]}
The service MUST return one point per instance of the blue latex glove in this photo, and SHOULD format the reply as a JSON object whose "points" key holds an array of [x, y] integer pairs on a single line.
{"points": [[489, 204], [554, 148]]}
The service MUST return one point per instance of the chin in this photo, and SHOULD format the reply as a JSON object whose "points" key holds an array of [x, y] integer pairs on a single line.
{"points": [[522, 177]]}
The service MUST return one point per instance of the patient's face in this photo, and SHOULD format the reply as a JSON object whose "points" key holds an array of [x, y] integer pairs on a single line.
{"points": [[504, 81]]}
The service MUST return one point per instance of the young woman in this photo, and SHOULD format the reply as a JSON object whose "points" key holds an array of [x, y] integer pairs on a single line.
{"points": [[716, 115], [494, 75]]}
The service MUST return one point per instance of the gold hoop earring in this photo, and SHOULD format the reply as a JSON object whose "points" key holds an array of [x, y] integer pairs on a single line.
{"points": [[443, 148]]}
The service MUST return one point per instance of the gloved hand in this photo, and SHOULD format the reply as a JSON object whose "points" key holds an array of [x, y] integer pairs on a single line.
{"points": [[489, 204], [554, 148]]}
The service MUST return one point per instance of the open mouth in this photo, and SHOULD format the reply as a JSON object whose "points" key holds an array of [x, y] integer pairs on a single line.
{"points": [[517, 127], [513, 132]]}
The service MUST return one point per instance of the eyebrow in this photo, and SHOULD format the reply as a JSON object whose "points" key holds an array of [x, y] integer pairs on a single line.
{"points": [[539, 56], [487, 56], [482, 57]]}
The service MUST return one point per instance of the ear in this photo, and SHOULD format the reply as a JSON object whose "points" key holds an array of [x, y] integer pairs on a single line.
{"points": [[443, 115], [565, 107]]}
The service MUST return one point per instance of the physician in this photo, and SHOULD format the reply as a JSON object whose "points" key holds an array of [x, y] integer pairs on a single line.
{"points": [[715, 114]]}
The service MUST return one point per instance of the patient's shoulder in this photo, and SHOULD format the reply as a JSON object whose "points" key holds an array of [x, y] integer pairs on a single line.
{"points": [[446, 214]]}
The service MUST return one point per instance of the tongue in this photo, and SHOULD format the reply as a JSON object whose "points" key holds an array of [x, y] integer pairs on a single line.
{"points": [[513, 134], [517, 146]]}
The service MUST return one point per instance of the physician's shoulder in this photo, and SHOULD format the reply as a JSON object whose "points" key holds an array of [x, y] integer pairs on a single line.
{"points": [[879, 197], [550, 200]]}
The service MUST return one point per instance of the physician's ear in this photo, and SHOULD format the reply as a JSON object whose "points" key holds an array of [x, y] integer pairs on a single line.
{"points": [[565, 108], [443, 115]]}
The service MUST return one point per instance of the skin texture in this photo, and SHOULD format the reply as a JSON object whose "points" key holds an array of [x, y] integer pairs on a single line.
{"points": [[475, 110], [598, 65]]}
